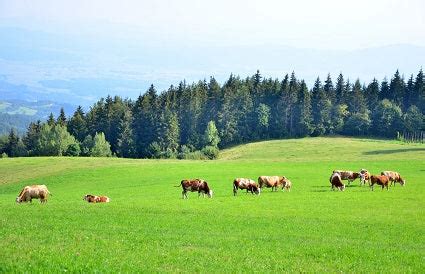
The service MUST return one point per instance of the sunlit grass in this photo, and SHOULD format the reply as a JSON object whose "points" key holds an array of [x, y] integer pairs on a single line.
{"points": [[148, 227]]}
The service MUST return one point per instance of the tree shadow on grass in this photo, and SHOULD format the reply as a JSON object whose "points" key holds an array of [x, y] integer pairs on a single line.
{"points": [[391, 151]]}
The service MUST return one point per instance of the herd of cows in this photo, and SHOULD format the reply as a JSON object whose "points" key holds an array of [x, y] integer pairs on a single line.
{"points": [[386, 179]]}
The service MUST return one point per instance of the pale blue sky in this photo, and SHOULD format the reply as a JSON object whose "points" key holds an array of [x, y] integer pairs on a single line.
{"points": [[328, 24]]}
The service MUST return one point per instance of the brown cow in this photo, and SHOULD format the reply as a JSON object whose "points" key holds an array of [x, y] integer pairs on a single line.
{"points": [[248, 184], [336, 181], [347, 175], [364, 177], [193, 185], [33, 192], [271, 181], [394, 177], [96, 199], [381, 180]]}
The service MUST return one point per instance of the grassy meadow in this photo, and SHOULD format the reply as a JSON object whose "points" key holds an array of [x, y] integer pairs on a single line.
{"points": [[147, 227]]}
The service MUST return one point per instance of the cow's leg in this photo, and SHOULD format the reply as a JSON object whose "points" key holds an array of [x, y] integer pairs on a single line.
{"points": [[184, 194]]}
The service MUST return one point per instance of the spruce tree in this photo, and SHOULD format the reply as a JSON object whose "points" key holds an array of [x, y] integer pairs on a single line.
{"points": [[125, 144], [77, 125], [61, 120]]}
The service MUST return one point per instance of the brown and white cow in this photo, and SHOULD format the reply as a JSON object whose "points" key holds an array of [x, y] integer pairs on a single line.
{"points": [[287, 185], [248, 184], [271, 181], [347, 175], [96, 199], [364, 177], [336, 181], [193, 185], [33, 192], [381, 180], [394, 177]]}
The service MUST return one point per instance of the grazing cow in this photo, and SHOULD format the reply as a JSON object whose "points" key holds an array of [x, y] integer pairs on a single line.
{"points": [[347, 175], [271, 181], [364, 177], [248, 184], [287, 185], [33, 192], [336, 181], [193, 185], [381, 180], [96, 199], [394, 177]]}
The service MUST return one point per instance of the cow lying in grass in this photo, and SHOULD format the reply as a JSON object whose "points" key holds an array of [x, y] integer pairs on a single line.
{"points": [[33, 192], [248, 184], [336, 181], [196, 185], [96, 199], [381, 180]]}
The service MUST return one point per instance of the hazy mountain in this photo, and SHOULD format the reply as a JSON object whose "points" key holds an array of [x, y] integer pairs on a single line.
{"points": [[79, 68]]}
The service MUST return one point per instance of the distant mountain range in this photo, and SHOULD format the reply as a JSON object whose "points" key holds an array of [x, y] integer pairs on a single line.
{"points": [[80, 68], [17, 114]]}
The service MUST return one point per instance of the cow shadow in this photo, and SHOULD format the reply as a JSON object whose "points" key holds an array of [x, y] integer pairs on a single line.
{"points": [[391, 151]]}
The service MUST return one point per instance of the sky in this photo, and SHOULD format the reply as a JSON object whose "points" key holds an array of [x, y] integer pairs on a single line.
{"points": [[77, 51], [327, 24]]}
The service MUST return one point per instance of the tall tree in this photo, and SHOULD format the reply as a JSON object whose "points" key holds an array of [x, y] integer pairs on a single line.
{"points": [[77, 125], [61, 120], [125, 145], [303, 116], [397, 89]]}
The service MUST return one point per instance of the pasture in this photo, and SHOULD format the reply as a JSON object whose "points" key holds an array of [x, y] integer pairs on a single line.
{"points": [[147, 227]]}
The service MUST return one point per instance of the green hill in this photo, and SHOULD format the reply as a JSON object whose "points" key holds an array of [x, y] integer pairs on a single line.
{"points": [[147, 227]]}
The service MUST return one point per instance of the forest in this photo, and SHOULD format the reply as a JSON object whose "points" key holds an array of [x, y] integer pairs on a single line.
{"points": [[194, 121]]}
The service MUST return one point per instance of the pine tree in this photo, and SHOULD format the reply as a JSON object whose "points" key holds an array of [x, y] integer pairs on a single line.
{"points": [[125, 145], [279, 116], [61, 118], [384, 92], [303, 116], [51, 120], [329, 90], [397, 89], [340, 89], [418, 96], [77, 125], [32, 138], [372, 94], [145, 114]]}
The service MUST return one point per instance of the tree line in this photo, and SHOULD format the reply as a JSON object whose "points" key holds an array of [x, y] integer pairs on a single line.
{"points": [[195, 120]]}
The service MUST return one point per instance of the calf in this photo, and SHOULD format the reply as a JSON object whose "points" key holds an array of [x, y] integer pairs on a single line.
{"points": [[394, 177], [364, 177], [248, 184], [193, 185], [96, 199], [381, 180], [336, 181]]}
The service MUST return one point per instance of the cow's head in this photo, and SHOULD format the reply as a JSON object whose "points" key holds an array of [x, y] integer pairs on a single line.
{"points": [[19, 199], [342, 188], [256, 189], [402, 181], [210, 193]]}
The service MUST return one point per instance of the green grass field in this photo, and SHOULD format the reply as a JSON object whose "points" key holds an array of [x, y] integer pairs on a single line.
{"points": [[147, 227]]}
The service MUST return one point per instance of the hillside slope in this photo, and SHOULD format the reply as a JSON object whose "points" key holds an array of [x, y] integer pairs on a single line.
{"points": [[324, 149]]}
